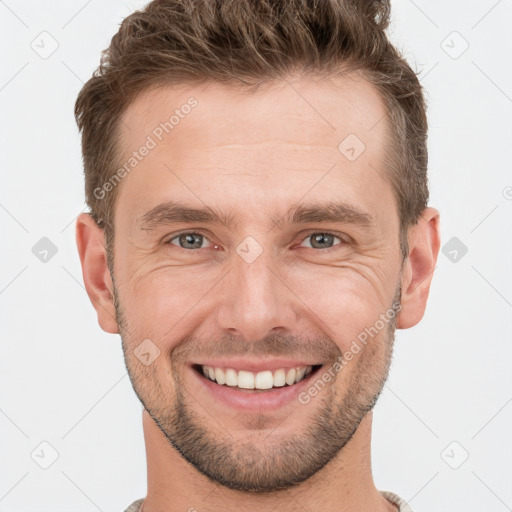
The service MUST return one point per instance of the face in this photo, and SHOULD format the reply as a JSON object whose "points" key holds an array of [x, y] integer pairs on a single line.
{"points": [[250, 242]]}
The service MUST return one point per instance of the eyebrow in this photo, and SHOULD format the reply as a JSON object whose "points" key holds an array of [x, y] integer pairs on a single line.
{"points": [[328, 212], [172, 212]]}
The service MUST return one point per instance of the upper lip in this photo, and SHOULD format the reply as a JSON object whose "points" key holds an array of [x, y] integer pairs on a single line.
{"points": [[255, 365]]}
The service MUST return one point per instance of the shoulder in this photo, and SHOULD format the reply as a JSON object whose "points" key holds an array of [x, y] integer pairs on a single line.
{"points": [[135, 506], [403, 506]]}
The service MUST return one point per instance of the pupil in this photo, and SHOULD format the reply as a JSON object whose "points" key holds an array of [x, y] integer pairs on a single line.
{"points": [[189, 238], [322, 238], [319, 240]]}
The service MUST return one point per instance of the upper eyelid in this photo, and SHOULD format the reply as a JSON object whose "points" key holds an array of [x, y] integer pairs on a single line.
{"points": [[192, 232], [338, 234], [342, 236]]}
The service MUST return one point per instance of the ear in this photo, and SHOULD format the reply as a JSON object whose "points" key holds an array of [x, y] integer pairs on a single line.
{"points": [[424, 243], [98, 283]]}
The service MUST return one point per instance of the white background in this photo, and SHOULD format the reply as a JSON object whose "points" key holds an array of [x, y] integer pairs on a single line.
{"points": [[63, 380]]}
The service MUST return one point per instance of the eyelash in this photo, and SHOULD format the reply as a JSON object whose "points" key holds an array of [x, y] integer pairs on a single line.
{"points": [[336, 234]]}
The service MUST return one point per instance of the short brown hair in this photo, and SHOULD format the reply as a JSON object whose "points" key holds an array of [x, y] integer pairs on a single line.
{"points": [[247, 42]]}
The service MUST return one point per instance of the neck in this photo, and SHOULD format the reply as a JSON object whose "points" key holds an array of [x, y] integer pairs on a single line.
{"points": [[344, 484]]}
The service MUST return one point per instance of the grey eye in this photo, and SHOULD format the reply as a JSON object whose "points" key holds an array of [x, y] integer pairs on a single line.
{"points": [[322, 240], [189, 240]]}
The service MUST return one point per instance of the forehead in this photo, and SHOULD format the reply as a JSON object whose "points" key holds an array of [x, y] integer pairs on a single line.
{"points": [[216, 143], [320, 105]]}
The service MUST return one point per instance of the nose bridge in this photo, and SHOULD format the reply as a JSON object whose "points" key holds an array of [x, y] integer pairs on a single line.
{"points": [[255, 300]]}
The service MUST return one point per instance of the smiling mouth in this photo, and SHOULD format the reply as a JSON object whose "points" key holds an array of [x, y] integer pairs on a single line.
{"points": [[256, 382]]}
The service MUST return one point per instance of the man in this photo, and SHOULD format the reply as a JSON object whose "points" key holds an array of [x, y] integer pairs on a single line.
{"points": [[256, 172]]}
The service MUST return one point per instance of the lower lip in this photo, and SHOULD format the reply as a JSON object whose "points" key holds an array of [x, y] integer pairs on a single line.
{"points": [[258, 400]]}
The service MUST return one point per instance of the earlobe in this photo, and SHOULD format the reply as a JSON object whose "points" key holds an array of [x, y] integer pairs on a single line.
{"points": [[98, 283], [424, 243]]}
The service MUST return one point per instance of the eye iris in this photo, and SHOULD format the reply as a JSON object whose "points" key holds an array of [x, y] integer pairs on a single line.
{"points": [[318, 240], [189, 238], [321, 238]]}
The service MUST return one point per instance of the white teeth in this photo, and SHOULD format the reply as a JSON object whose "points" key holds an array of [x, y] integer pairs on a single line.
{"points": [[264, 380], [261, 380], [220, 376], [279, 378], [290, 376], [245, 380], [231, 378]]}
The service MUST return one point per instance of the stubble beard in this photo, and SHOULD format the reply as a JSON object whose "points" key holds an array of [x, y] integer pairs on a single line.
{"points": [[258, 462]]}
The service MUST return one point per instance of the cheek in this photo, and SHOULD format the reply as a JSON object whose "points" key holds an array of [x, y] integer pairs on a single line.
{"points": [[165, 304], [161, 304], [345, 302]]}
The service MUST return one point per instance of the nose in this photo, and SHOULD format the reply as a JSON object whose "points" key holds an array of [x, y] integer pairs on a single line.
{"points": [[255, 301]]}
